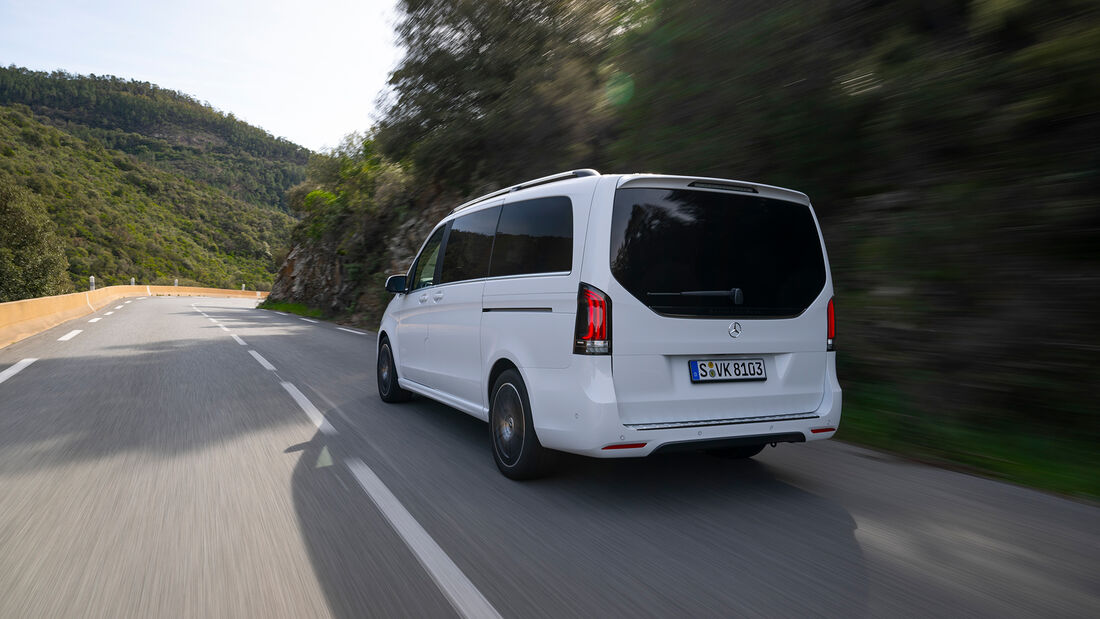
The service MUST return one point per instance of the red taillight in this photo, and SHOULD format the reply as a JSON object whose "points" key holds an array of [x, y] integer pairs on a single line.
{"points": [[830, 345], [592, 335], [597, 315]]}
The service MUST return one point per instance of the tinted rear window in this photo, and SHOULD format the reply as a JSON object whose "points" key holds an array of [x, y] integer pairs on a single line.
{"points": [[469, 244], [697, 253], [534, 236]]}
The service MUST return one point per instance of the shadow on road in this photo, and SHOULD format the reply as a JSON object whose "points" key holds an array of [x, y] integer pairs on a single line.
{"points": [[684, 534], [160, 398]]}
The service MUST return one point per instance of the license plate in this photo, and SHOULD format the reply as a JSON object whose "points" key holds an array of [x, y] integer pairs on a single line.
{"points": [[717, 370]]}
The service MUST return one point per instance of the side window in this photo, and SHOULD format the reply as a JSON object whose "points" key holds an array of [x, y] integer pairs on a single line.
{"points": [[469, 245], [534, 236], [424, 273]]}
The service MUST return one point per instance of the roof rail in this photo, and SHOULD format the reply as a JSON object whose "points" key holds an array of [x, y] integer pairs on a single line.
{"points": [[531, 183]]}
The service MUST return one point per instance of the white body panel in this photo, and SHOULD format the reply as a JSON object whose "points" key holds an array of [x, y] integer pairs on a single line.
{"points": [[448, 343], [411, 317], [453, 363]]}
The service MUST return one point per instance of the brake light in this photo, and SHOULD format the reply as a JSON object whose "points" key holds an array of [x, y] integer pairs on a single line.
{"points": [[592, 335], [829, 344]]}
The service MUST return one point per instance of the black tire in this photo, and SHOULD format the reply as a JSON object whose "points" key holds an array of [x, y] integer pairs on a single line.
{"points": [[386, 372], [741, 452], [516, 448]]}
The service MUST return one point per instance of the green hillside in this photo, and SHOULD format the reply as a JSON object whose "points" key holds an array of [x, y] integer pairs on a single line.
{"points": [[164, 128], [145, 182]]}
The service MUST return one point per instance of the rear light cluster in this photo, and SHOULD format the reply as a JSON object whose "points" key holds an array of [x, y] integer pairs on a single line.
{"points": [[829, 344], [592, 335]]}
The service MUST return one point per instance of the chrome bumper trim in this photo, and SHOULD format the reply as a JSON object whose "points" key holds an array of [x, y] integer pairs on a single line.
{"points": [[664, 425]]}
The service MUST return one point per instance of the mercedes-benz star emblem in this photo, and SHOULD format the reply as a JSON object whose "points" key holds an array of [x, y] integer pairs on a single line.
{"points": [[735, 329]]}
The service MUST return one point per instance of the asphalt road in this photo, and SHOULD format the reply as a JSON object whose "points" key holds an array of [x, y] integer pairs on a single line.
{"points": [[151, 465]]}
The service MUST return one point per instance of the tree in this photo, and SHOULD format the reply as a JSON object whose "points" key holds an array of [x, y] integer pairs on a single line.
{"points": [[32, 261], [491, 91]]}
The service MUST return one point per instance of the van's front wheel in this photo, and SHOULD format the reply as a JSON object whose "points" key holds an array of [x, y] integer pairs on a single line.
{"points": [[386, 371], [516, 449]]}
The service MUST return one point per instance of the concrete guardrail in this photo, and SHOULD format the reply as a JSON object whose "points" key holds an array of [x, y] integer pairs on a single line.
{"points": [[21, 319]]}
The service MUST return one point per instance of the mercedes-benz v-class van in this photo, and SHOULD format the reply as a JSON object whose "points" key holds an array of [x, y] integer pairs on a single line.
{"points": [[618, 315]]}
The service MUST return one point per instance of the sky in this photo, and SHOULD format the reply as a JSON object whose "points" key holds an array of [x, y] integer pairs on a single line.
{"points": [[309, 71]]}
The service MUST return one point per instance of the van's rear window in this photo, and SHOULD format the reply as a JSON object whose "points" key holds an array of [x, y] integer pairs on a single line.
{"points": [[700, 253]]}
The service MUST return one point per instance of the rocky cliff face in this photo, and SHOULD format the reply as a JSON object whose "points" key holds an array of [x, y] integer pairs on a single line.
{"points": [[343, 273]]}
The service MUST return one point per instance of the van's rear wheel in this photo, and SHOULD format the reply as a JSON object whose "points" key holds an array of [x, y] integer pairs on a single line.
{"points": [[386, 371], [516, 449], [740, 452]]}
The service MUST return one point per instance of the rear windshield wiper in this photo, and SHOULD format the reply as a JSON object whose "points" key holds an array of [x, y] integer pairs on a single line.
{"points": [[734, 294]]}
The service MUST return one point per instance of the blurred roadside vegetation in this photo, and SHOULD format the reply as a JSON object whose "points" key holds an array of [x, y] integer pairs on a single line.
{"points": [[291, 308], [144, 182], [949, 147]]}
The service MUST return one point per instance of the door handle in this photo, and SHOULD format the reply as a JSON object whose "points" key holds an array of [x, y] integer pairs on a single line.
{"points": [[438, 296], [423, 298]]}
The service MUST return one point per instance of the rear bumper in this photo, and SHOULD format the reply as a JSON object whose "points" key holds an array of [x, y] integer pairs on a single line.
{"points": [[575, 410]]}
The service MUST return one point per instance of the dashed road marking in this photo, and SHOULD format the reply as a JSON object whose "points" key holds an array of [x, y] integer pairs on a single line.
{"points": [[309, 409], [210, 319], [264, 362], [351, 331], [239, 340], [118, 307], [306, 319], [223, 328], [128, 302], [70, 335], [16, 368], [108, 313], [96, 319], [462, 594]]}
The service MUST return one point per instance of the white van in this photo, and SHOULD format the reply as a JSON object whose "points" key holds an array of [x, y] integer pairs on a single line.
{"points": [[618, 315]]}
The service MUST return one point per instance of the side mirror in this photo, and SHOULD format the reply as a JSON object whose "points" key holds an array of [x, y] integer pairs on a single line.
{"points": [[396, 283]]}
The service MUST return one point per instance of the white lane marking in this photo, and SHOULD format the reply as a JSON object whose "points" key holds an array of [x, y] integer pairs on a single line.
{"points": [[119, 307], [309, 409], [282, 314], [463, 595], [239, 340], [96, 319], [15, 369], [108, 313], [351, 331], [224, 328], [140, 298], [306, 319], [128, 302], [70, 335], [264, 362], [210, 319]]}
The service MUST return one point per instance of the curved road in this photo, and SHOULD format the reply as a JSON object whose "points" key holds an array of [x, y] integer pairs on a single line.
{"points": [[199, 457]]}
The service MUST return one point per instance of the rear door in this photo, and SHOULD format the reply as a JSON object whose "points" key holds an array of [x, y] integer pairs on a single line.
{"points": [[719, 305]]}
